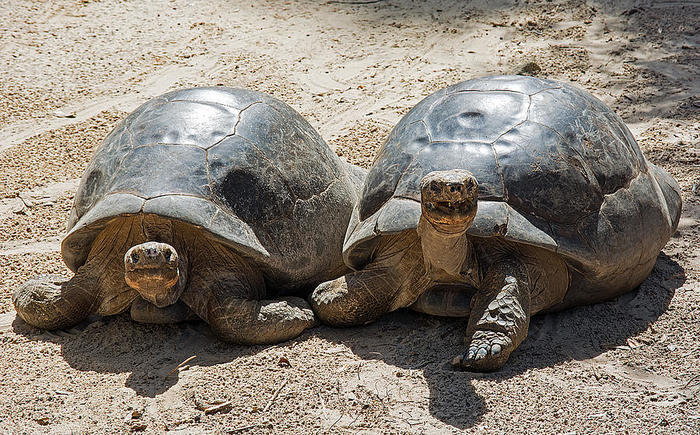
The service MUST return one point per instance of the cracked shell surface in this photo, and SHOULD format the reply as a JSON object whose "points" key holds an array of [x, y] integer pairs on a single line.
{"points": [[556, 168], [242, 166]]}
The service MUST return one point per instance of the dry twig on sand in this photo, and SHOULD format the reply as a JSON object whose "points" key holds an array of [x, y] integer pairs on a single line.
{"points": [[182, 364], [274, 396]]}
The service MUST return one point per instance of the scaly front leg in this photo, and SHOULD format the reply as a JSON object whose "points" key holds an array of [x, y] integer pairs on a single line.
{"points": [[499, 319], [229, 294], [53, 302], [395, 279]]}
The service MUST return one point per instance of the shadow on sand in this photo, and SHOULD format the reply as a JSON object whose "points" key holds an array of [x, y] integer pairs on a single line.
{"points": [[403, 339], [148, 352], [415, 341]]}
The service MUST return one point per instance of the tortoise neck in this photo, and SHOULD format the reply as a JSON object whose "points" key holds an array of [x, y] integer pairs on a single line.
{"points": [[445, 252]]}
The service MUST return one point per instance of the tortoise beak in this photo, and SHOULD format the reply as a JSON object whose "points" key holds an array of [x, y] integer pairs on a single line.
{"points": [[153, 270], [449, 198]]}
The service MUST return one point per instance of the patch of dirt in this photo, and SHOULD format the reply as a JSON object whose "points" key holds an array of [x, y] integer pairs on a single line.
{"points": [[359, 145], [54, 156]]}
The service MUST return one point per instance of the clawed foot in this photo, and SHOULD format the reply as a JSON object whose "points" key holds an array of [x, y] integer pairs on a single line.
{"points": [[487, 351]]}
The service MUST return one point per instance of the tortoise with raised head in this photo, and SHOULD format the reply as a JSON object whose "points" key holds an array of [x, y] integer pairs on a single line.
{"points": [[498, 198], [220, 202]]}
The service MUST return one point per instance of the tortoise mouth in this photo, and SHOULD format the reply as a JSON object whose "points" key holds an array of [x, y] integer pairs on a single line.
{"points": [[153, 270], [449, 207], [158, 286], [456, 215]]}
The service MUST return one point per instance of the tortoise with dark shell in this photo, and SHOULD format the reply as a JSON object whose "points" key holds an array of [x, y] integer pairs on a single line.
{"points": [[215, 202], [498, 198]]}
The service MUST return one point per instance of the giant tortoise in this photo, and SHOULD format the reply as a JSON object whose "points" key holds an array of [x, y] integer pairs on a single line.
{"points": [[220, 202], [498, 198]]}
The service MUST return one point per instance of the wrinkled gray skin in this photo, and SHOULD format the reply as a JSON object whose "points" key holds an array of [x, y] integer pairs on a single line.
{"points": [[216, 203], [496, 199]]}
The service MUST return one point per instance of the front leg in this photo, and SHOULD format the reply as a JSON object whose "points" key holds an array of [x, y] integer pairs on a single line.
{"points": [[499, 319], [54, 302], [229, 294], [267, 321], [395, 279], [356, 298]]}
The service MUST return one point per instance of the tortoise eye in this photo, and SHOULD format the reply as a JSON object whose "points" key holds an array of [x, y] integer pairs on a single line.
{"points": [[168, 255], [134, 257]]}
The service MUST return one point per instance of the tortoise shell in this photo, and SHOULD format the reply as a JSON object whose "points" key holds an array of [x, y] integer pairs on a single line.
{"points": [[241, 166], [556, 169]]}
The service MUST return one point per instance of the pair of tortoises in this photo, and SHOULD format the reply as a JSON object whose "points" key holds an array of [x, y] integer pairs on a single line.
{"points": [[493, 199]]}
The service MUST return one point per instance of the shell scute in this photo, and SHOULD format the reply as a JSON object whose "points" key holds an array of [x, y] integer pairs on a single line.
{"points": [[475, 116]]}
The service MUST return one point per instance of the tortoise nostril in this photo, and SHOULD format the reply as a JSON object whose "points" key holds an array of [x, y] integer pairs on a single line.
{"points": [[455, 188]]}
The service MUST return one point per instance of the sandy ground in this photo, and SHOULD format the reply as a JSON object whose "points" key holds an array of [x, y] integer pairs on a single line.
{"points": [[70, 70]]}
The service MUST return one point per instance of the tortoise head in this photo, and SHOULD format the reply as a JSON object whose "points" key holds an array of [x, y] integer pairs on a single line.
{"points": [[154, 270], [449, 199]]}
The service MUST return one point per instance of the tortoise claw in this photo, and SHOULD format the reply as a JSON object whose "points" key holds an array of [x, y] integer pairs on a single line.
{"points": [[487, 351]]}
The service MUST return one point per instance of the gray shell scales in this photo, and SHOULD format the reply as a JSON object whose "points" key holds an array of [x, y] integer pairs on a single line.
{"points": [[242, 166], [556, 169]]}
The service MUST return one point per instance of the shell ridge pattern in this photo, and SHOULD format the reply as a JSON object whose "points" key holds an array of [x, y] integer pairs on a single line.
{"points": [[235, 126], [487, 91], [127, 128], [210, 180], [409, 165], [269, 162], [427, 132], [430, 142], [582, 127], [589, 175], [495, 156], [432, 105], [315, 135], [545, 90], [240, 116], [175, 144], [208, 103], [319, 194]]}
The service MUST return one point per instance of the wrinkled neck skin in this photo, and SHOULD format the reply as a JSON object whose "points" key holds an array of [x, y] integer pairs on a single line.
{"points": [[446, 249]]}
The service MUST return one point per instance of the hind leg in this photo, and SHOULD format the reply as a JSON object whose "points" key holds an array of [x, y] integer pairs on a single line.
{"points": [[225, 304], [356, 298]]}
